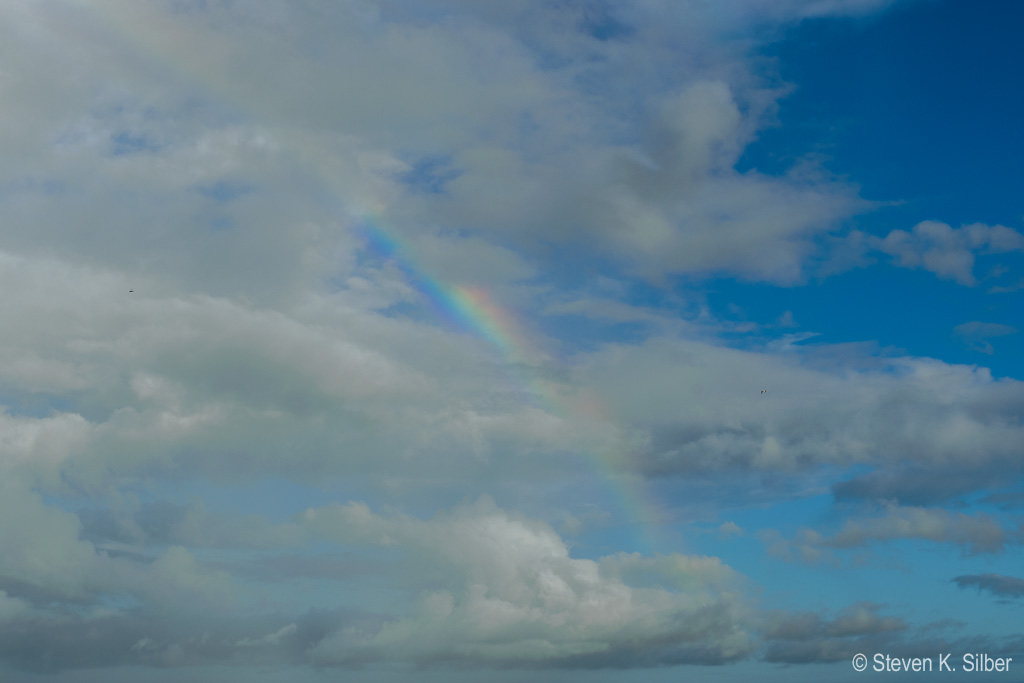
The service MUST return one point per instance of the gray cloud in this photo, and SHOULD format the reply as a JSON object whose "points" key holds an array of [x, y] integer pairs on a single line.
{"points": [[975, 533], [51, 642], [807, 637], [506, 102], [483, 585], [503, 589], [921, 485], [997, 584], [693, 408]]}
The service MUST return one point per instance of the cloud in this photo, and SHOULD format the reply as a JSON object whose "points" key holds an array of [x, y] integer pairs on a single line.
{"points": [[802, 638], [489, 587], [974, 533], [252, 388], [948, 252], [920, 484], [997, 584], [504, 589], [262, 334], [977, 533], [1015, 287], [52, 642], [809, 638], [975, 329], [48, 563], [486, 587], [42, 549], [976, 334], [162, 523], [730, 528], [690, 407], [670, 203], [11, 608], [148, 380], [222, 161], [642, 167]]}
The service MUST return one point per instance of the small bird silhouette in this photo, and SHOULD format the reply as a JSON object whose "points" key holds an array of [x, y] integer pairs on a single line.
{"points": [[763, 390], [130, 291]]}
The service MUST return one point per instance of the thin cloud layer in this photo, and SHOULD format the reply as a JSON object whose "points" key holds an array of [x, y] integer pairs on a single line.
{"points": [[973, 533], [977, 334], [1001, 586]]}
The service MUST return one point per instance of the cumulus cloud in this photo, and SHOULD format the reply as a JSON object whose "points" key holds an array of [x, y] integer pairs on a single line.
{"points": [[42, 549], [489, 587], [256, 311], [946, 251], [506, 590], [208, 374], [663, 195], [192, 303], [166, 374], [48, 562]]}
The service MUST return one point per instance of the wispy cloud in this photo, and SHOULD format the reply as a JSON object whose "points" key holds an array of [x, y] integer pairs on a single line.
{"points": [[997, 584]]}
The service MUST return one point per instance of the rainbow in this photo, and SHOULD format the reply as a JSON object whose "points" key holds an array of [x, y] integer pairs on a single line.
{"points": [[468, 309], [473, 311]]}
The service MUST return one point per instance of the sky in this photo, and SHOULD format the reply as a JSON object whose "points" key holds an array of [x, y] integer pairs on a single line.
{"points": [[561, 340]]}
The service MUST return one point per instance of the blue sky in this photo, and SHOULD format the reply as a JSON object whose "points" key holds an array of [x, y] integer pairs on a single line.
{"points": [[446, 341]]}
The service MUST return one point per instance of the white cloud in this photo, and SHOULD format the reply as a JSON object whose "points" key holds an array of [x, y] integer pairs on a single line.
{"points": [[40, 442], [219, 158], [563, 157], [690, 406], [210, 372], [948, 252], [511, 593], [252, 387], [485, 586]]}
